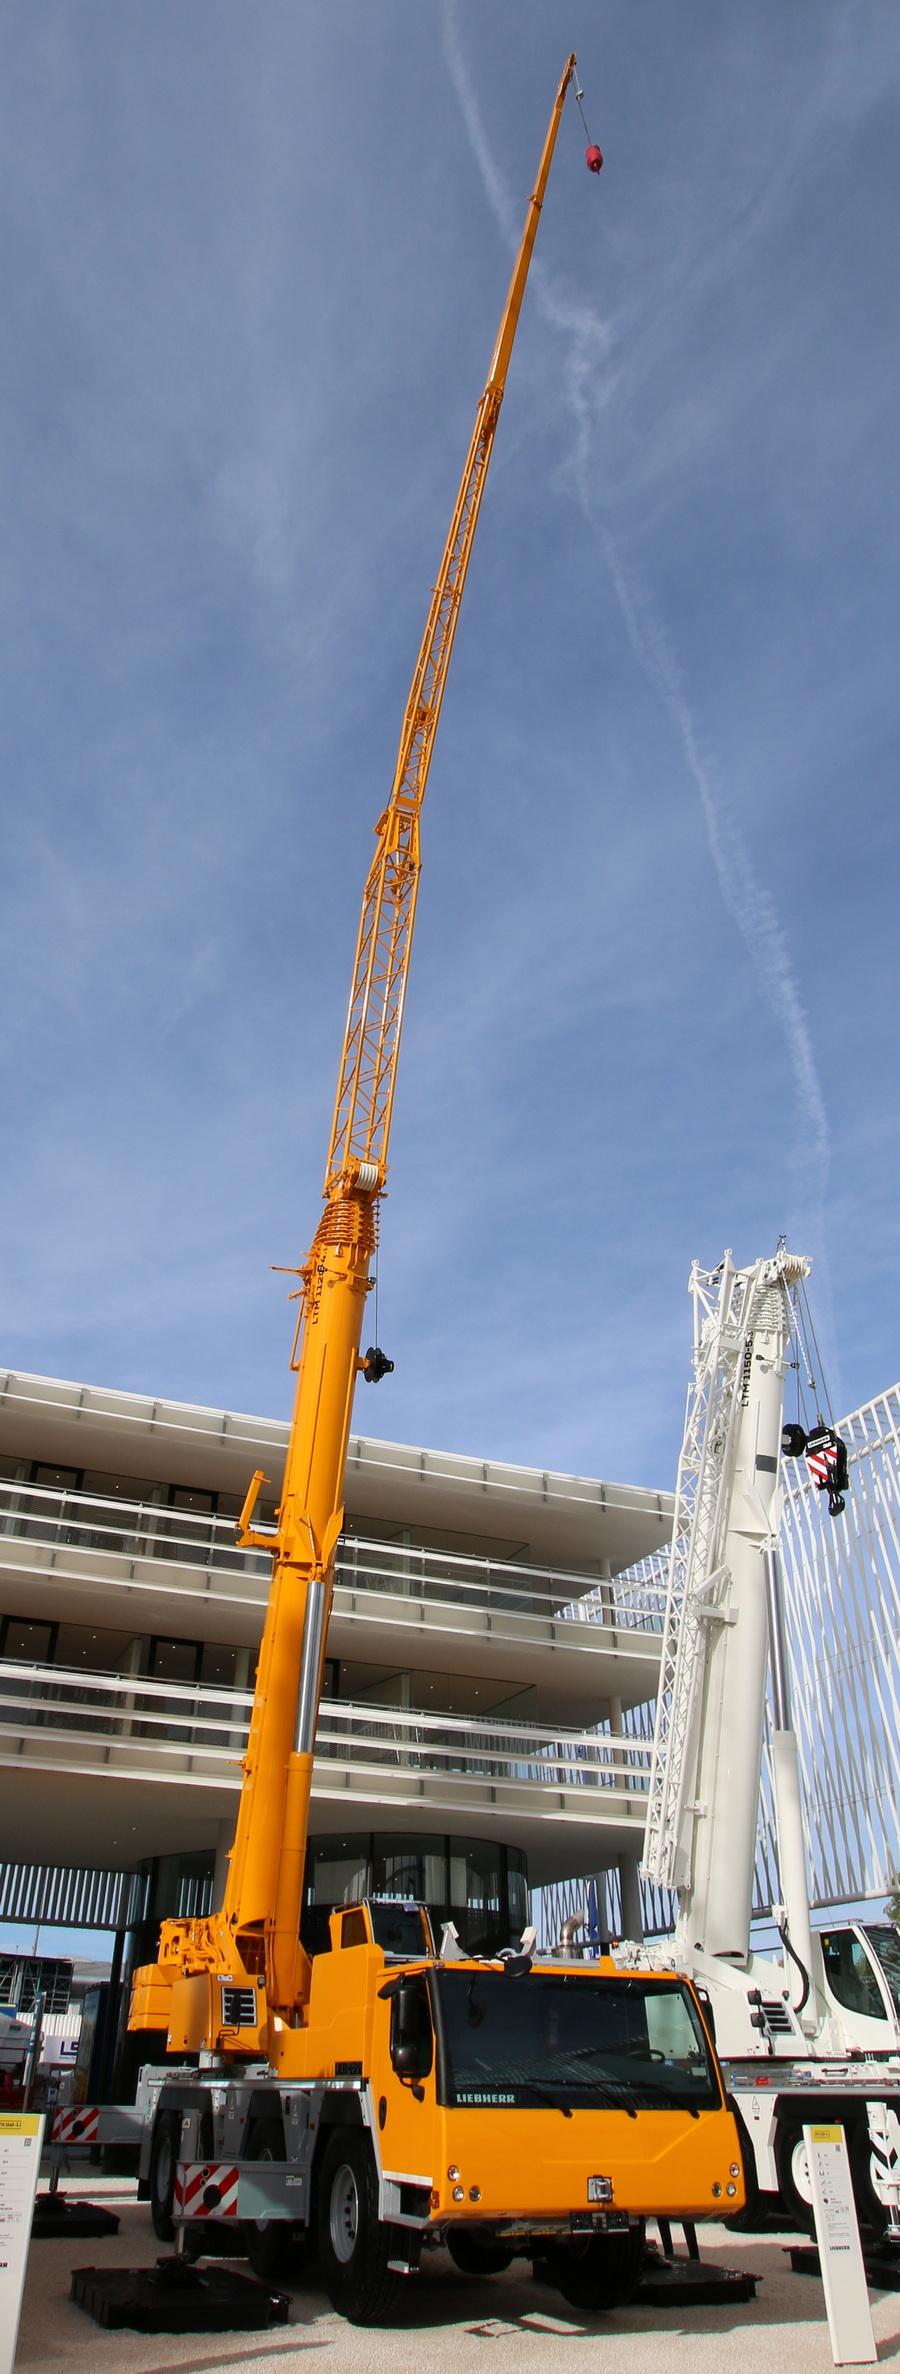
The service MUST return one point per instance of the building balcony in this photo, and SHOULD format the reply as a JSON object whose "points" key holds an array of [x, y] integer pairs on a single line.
{"points": [[129, 1566], [131, 1747], [491, 1627]]}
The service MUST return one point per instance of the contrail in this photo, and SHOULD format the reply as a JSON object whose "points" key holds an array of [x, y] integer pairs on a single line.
{"points": [[747, 901], [745, 897]]}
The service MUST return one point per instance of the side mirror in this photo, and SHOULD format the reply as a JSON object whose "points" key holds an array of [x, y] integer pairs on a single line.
{"points": [[412, 2037], [405, 2058]]}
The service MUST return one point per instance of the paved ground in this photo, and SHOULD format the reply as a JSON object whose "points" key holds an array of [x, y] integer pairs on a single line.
{"points": [[448, 2324]]}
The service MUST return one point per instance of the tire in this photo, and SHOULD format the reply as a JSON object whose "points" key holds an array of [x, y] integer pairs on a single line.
{"points": [[600, 2271], [473, 2254], [163, 2163], [870, 2208], [354, 2248], [793, 2175], [271, 2243]]}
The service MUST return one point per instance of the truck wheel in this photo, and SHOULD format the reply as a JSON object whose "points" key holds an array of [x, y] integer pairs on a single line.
{"points": [[163, 2163], [354, 2247], [793, 2174], [268, 2241], [870, 2208], [474, 2255], [602, 2271]]}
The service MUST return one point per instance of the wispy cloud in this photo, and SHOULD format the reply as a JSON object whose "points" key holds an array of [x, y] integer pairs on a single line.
{"points": [[747, 900]]}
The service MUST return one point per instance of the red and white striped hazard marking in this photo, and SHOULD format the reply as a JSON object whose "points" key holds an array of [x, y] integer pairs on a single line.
{"points": [[206, 2188], [820, 1464], [76, 2126]]}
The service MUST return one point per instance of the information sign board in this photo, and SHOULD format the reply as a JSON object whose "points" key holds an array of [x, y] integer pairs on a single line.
{"points": [[21, 2137], [840, 2249]]}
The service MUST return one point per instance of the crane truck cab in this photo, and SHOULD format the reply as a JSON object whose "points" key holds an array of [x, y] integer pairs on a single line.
{"points": [[504, 2107]]}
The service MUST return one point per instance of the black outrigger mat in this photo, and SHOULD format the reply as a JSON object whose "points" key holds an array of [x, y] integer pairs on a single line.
{"points": [[56, 2220], [881, 2263], [174, 2298], [692, 2283]]}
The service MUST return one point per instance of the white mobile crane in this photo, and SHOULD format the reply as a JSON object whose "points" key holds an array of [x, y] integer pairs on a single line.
{"points": [[824, 2020]]}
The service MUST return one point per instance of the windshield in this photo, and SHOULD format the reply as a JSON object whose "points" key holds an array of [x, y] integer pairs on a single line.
{"points": [[400, 1928], [886, 1944], [623, 2043]]}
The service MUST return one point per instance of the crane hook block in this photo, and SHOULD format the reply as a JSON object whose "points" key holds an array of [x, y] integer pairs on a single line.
{"points": [[593, 158], [829, 1466], [375, 1366]]}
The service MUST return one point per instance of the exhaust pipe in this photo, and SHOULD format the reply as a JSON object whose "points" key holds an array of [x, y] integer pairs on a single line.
{"points": [[568, 1934]]}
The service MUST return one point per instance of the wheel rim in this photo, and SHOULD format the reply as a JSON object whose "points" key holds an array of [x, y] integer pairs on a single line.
{"points": [[800, 2174], [343, 2214]]}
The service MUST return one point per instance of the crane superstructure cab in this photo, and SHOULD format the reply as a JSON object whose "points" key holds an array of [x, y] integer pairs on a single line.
{"points": [[501, 2108]]}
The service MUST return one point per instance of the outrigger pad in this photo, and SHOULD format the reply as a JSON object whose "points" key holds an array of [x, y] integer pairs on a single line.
{"points": [[881, 2263], [56, 2220], [175, 2298], [692, 2283]]}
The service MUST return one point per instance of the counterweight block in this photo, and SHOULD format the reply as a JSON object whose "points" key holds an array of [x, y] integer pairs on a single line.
{"points": [[175, 2298]]}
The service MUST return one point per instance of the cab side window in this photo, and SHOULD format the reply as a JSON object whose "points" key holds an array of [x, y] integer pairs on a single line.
{"points": [[850, 1975]]}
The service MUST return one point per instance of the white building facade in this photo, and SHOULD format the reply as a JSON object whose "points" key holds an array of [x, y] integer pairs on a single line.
{"points": [[489, 1644]]}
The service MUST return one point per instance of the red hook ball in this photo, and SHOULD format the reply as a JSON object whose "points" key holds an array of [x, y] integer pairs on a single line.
{"points": [[593, 159]]}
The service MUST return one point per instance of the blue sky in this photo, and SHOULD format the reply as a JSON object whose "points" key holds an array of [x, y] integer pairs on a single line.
{"points": [[251, 269]]}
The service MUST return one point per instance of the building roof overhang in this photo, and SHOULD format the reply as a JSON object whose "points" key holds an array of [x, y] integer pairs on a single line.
{"points": [[577, 1521]]}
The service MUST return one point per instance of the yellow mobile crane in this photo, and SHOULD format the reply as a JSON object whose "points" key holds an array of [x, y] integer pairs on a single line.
{"points": [[347, 2092], [250, 1950]]}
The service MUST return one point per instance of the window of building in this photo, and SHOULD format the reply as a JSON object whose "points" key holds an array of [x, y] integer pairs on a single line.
{"points": [[99, 1651], [339, 1870], [410, 1868], [517, 1890], [225, 1668], [33, 1643], [477, 1893], [56, 1479], [479, 1885], [135, 1489], [175, 1660]]}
